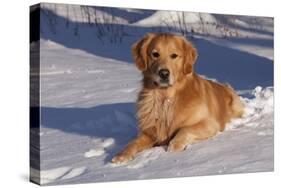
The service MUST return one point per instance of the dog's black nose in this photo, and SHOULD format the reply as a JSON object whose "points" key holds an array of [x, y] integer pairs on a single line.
{"points": [[164, 74]]}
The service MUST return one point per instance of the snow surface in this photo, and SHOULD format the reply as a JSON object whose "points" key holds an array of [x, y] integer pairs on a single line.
{"points": [[165, 17], [88, 93]]}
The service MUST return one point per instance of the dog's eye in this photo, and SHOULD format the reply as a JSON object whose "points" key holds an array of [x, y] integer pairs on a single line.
{"points": [[155, 54], [173, 56]]}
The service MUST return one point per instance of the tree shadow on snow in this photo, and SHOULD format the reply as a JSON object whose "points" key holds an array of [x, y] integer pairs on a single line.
{"points": [[115, 121]]}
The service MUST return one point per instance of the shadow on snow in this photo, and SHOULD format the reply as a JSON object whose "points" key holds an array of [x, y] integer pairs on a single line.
{"points": [[115, 121], [240, 69]]}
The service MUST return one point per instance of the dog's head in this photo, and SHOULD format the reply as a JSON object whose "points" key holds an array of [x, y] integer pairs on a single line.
{"points": [[164, 58]]}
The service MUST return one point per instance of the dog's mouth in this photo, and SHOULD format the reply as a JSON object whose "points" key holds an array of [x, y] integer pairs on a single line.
{"points": [[162, 83]]}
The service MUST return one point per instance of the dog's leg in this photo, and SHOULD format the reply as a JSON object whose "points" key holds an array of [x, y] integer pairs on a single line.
{"points": [[141, 143], [192, 134]]}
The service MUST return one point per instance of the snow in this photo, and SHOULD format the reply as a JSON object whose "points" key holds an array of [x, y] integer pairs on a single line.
{"points": [[99, 151], [74, 172], [94, 152], [88, 93], [83, 128], [163, 17], [262, 50], [108, 142], [48, 176], [258, 111]]}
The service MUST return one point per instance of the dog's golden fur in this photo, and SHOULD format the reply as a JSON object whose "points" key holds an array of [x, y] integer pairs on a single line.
{"points": [[184, 110]]}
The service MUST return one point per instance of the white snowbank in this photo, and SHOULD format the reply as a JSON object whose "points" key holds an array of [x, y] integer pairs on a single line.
{"points": [[163, 18], [258, 111]]}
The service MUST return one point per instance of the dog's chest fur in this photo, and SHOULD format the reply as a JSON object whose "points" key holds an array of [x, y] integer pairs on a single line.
{"points": [[155, 111]]}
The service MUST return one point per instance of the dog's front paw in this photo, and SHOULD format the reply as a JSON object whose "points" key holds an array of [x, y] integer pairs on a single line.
{"points": [[175, 146], [121, 158]]}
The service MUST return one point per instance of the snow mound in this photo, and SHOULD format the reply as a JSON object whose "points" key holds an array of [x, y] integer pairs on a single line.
{"points": [[108, 142], [94, 153], [162, 18], [101, 146], [258, 111]]}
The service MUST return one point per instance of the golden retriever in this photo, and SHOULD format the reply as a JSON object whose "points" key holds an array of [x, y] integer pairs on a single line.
{"points": [[176, 107]]}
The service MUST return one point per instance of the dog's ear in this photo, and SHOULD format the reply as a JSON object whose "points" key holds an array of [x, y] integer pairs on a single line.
{"points": [[189, 58], [139, 51]]}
